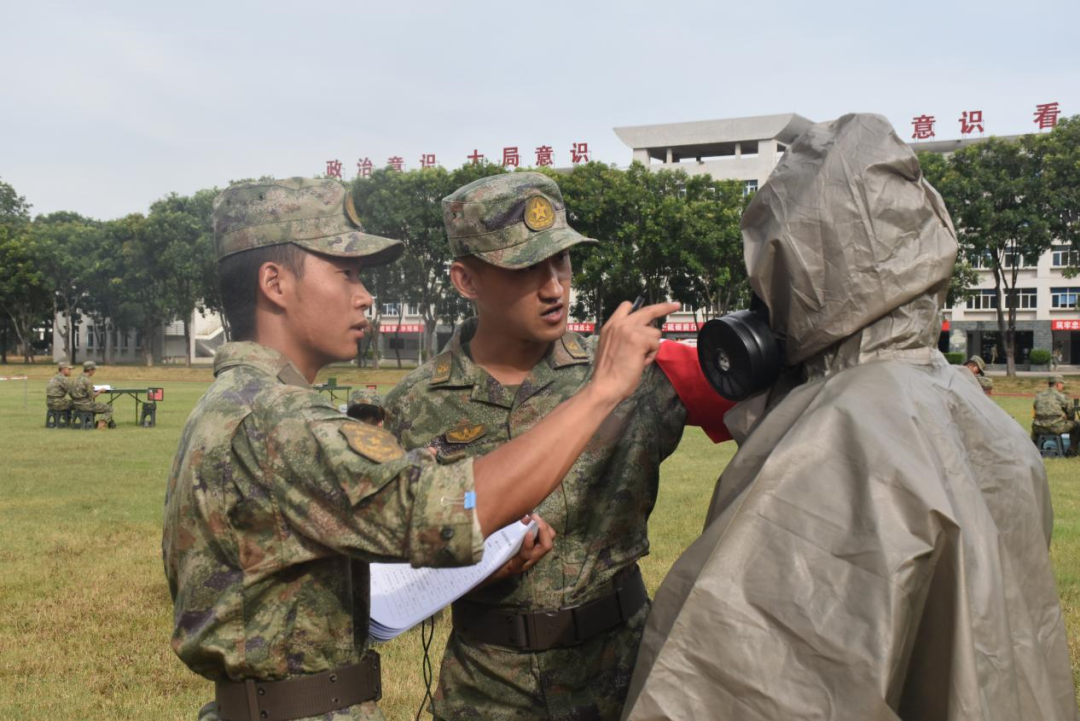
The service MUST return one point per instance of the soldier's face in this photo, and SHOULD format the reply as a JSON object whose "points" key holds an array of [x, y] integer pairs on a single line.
{"points": [[66, 371], [528, 304], [328, 305]]}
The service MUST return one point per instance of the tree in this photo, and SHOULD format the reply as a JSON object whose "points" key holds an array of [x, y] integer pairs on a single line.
{"points": [[146, 294], [999, 204], [1058, 153], [25, 296], [181, 227], [407, 206], [964, 277], [64, 244]]}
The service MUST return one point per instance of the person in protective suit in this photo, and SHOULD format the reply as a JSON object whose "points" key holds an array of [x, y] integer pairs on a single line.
{"points": [[878, 547]]}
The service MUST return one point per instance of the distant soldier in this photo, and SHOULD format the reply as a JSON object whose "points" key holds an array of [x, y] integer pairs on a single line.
{"points": [[58, 390], [83, 395], [1054, 412], [366, 406], [977, 366]]}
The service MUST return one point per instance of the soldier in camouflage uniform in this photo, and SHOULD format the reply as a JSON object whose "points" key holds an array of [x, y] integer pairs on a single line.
{"points": [[1054, 413], [977, 366], [367, 405], [510, 238], [83, 395], [59, 388], [276, 502]]}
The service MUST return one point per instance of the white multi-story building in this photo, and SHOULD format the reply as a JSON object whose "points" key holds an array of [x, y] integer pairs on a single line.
{"points": [[1047, 314]]}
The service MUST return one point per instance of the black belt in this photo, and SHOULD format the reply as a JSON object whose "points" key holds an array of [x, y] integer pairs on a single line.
{"points": [[558, 628], [301, 696]]}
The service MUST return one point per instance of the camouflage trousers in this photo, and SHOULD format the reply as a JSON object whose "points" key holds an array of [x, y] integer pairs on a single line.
{"points": [[58, 404], [588, 682], [1062, 426], [363, 712], [98, 409]]}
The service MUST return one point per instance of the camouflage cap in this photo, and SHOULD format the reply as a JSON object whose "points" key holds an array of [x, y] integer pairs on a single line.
{"points": [[89, 365], [979, 362], [512, 220], [365, 397], [1057, 378], [316, 214], [63, 364]]}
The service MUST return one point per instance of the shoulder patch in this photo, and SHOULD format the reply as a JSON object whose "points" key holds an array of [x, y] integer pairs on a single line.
{"points": [[466, 433], [372, 443], [443, 364], [574, 348]]}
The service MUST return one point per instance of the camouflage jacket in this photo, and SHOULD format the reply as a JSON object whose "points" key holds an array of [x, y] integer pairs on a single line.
{"points": [[58, 387], [985, 383], [81, 390], [276, 502], [1051, 407], [600, 509]]}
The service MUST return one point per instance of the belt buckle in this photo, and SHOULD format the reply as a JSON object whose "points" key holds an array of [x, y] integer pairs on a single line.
{"points": [[543, 629]]}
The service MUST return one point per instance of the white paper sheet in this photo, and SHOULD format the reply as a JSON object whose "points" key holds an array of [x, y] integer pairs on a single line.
{"points": [[402, 596]]}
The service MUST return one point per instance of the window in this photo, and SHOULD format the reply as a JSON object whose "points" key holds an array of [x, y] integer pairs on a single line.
{"points": [[983, 300], [981, 261], [1011, 258], [75, 337], [1029, 299], [749, 186], [1062, 256], [1064, 297], [89, 337], [391, 308]]}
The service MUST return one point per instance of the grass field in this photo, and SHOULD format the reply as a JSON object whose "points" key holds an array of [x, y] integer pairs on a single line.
{"points": [[85, 614]]}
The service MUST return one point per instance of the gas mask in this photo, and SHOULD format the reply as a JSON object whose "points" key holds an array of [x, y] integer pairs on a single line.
{"points": [[738, 352]]}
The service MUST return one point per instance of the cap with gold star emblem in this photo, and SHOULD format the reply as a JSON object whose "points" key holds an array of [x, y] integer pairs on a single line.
{"points": [[512, 220]]}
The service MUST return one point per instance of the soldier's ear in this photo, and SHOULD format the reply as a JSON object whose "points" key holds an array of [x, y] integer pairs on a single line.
{"points": [[463, 276], [273, 284]]}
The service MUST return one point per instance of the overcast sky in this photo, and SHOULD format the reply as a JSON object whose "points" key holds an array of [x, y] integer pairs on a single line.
{"points": [[107, 106]]}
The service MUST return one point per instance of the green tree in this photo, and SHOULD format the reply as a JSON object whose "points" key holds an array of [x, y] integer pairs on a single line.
{"points": [[407, 206], [965, 276], [14, 217], [146, 293], [1058, 153], [25, 295], [998, 201], [181, 227], [65, 244]]}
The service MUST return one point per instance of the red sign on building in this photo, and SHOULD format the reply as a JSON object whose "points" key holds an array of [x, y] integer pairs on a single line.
{"points": [[405, 328], [363, 167], [396, 163], [971, 120], [543, 155], [680, 327], [579, 153], [427, 160], [476, 156], [1065, 325], [333, 169], [1046, 115], [924, 127], [581, 327], [511, 159]]}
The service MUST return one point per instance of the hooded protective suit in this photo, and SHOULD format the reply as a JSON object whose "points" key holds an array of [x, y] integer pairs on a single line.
{"points": [[877, 549]]}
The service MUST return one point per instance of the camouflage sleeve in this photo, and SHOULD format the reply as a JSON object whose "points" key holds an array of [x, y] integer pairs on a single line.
{"points": [[351, 487]]}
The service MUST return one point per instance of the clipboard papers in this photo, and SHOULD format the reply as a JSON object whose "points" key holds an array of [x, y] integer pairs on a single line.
{"points": [[403, 596]]}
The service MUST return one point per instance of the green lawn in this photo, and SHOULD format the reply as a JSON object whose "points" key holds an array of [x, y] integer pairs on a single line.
{"points": [[85, 615]]}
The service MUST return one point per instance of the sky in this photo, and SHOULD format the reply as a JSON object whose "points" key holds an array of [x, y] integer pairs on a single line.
{"points": [[107, 106]]}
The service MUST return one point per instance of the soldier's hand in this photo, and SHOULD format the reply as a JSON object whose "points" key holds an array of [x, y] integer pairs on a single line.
{"points": [[628, 344], [533, 548]]}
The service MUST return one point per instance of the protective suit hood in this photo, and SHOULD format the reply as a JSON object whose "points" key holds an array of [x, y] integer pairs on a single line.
{"points": [[846, 233], [877, 548]]}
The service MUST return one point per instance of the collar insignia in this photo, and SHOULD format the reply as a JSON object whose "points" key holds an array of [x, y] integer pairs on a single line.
{"points": [[466, 433]]}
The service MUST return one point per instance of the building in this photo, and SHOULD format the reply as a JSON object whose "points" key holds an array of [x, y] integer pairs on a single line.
{"points": [[747, 149], [112, 345]]}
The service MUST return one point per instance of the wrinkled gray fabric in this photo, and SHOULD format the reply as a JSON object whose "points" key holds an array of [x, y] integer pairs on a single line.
{"points": [[877, 549]]}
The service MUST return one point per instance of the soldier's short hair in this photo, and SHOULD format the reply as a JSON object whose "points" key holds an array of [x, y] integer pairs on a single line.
{"points": [[238, 275]]}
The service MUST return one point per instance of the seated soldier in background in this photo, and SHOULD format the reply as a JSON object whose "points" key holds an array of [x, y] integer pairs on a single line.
{"points": [[977, 366], [58, 390], [83, 395], [366, 406], [1054, 412]]}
